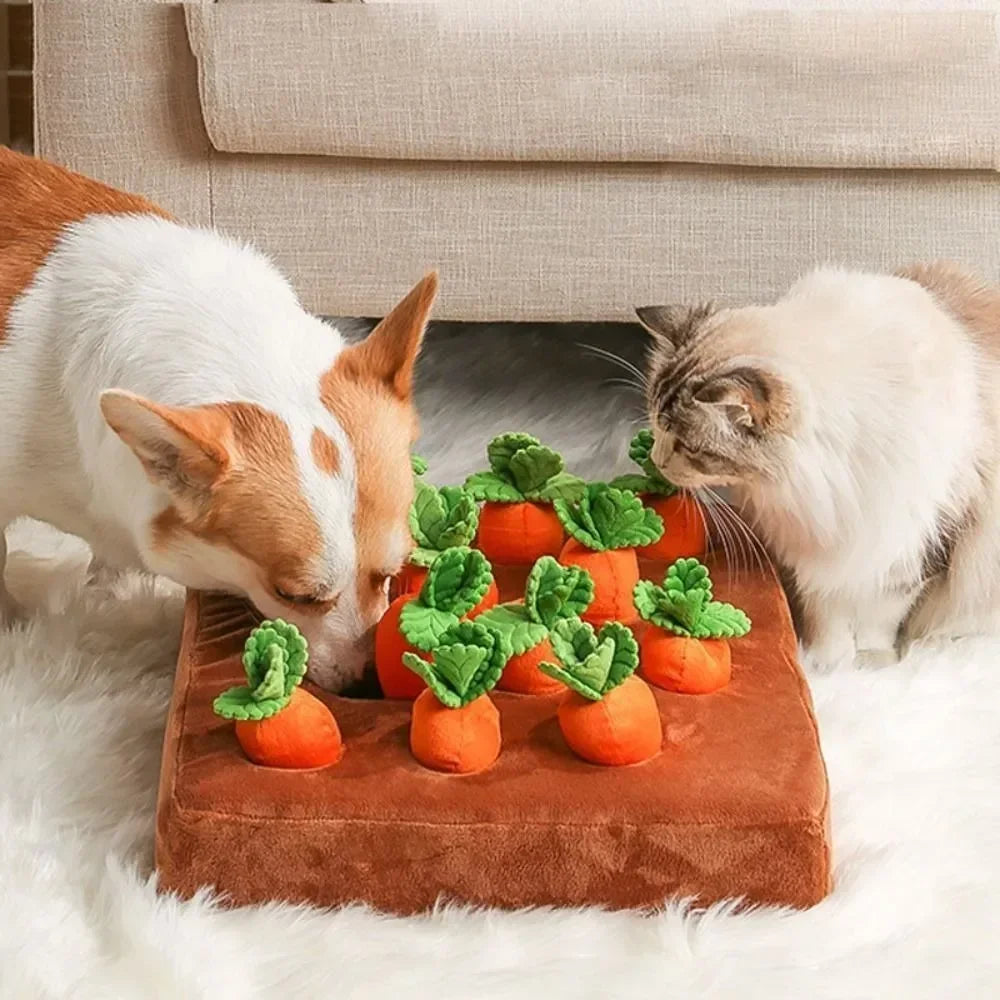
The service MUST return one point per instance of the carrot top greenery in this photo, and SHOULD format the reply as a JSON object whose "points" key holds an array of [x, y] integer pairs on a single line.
{"points": [[684, 605], [551, 594], [457, 581], [651, 481], [441, 518], [606, 517], [523, 469], [274, 659], [418, 465], [592, 663], [466, 662]]}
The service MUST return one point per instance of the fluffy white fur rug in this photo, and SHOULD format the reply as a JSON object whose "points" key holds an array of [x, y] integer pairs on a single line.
{"points": [[913, 755]]}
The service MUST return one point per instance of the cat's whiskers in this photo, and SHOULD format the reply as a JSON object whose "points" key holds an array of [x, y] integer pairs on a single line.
{"points": [[743, 531], [642, 379]]}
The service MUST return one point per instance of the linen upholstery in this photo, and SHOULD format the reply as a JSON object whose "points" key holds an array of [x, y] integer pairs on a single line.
{"points": [[530, 239], [602, 80]]}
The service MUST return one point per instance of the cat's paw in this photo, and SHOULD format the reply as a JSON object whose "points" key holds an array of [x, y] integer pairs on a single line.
{"points": [[829, 655], [876, 659]]}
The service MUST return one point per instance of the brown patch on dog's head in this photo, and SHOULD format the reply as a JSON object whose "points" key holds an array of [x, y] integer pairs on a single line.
{"points": [[230, 471], [324, 452], [370, 391]]}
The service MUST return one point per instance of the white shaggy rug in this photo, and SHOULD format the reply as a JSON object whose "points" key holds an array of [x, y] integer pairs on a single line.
{"points": [[913, 755]]}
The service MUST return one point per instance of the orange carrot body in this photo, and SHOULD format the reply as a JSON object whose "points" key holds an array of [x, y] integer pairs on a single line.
{"points": [[622, 728], [456, 740], [522, 676], [682, 664], [395, 680], [303, 734], [615, 573], [684, 528], [409, 580], [512, 534]]}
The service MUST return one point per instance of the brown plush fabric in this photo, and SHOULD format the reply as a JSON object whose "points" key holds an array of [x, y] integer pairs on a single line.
{"points": [[735, 805]]}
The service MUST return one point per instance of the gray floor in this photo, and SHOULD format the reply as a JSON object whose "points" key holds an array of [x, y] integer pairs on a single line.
{"points": [[478, 380]]}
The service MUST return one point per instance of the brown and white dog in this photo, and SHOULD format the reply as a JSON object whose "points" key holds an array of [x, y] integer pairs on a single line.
{"points": [[165, 397]]}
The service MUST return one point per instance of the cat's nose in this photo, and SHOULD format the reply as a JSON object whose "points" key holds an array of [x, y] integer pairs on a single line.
{"points": [[663, 448]]}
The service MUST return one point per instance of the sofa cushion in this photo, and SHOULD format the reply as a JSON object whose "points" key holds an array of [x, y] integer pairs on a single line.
{"points": [[602, 80]]}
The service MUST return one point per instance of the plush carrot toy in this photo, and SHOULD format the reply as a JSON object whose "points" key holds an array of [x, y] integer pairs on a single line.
{"points": [[278, 724], [459, 582], [683, 520], [605, 526], [609, 716], [517, 523], [551, 594], [455, 727], [440, 518], [687, 649]]}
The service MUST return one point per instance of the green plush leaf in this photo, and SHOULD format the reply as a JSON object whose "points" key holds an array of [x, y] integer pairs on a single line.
{"points": [[427, 515], [423, 626], [564, 676], [239, 704], [684, 604], [274, 658], [584, 663], [273, 684], [721, 621], [609, 518], [502, 449], [624, 655], [621, 519], [641, 452], [457, 580], [258, 653], [442, 518], [418, 465], [640, 448], [532, 467], [648, 599], [562, 486], [590, 663], [425, 670], [689, 589], [457, 664], [513, 621], [573, 641], [466, 664], [578, 523], [554, 592], [493, 488], [423, 557], [632, 482]]}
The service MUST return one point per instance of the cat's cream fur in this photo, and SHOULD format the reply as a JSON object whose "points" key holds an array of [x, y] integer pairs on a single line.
{"points": [[857, 423]]}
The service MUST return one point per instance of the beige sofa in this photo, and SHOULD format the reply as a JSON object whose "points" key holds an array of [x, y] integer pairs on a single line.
{"points": [[555, 159]]}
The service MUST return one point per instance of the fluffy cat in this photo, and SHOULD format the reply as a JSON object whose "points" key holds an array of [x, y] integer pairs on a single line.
{"points": [[856, 423]]}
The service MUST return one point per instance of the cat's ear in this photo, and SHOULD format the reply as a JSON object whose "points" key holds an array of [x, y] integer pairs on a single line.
{"points": [[673, 326], [751, 399]]}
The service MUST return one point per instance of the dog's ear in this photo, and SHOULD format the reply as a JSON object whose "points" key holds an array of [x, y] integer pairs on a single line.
{"points": [[388, 354], [183, 449]]}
